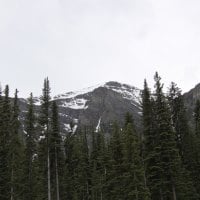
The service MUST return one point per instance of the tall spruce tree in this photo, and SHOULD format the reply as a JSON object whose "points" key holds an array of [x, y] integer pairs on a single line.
{"points": [[44, 147], [15, 154], [56, 155], [149, 140], [77, 171], [135, 187], [70, 166], [195, 161], [165, 146], [84, 175], [5, 114], [98, 162], [115, 179], [165, 173], [179, 119], [185, 139], [30, 153]]}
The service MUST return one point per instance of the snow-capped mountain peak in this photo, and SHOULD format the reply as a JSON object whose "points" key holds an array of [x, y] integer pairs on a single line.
{"points": [[73, 94], [97, 106], [127, 91]]}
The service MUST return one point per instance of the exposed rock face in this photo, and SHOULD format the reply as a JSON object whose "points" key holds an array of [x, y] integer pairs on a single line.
{"points": [[99, 106], [190, 99], [192, 96], [95, 106]]}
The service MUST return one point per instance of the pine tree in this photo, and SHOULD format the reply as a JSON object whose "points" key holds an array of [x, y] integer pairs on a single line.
{"points": [[185, 139], [56, 155], [30, 153], [134, 169], [77, 176], [15, 154], [165, 173], [115, 179], [194, 164], [5, 117], [149, 140], [98, 162], [179, 120], [70, 165], [84, 175], [44, 148]]}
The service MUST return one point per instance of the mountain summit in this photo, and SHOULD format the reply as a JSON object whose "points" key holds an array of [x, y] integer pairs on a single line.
{"points": [[100, 105], [96, 106]]}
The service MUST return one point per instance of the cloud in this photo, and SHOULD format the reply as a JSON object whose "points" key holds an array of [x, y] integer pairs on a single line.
{"points": [[79, 43]]}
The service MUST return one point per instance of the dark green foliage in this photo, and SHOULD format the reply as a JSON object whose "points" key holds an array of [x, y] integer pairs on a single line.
{"points": [[164, 167], [162, 163], [179, 119], [194, 149], [30, 157], [116, 166], [197, 117], [185, 139], [15, 154], [98, 162], [56, 155], [77, 171], [41, 170], [5, 115], [135, 185], [44, 186], [150, 141]]}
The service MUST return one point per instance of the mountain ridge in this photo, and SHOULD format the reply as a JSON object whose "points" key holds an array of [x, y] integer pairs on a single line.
{"points": [[98, 106]]}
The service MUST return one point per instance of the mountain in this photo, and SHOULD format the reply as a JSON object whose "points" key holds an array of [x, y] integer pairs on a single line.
{"points": [[96, 107], [99, 106], [190, 99]]}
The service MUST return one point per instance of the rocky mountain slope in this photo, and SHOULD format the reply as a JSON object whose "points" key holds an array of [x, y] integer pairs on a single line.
{"points": [[95, 107], [99, 106], [190, 99]]}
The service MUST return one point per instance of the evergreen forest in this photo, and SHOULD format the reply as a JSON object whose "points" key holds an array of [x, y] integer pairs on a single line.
{"points": [[160, 162]]}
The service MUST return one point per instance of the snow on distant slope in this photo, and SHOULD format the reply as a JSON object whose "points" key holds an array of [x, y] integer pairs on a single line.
{"points": [[128, 92], [75, 103], [98, 126], [70, 95]]}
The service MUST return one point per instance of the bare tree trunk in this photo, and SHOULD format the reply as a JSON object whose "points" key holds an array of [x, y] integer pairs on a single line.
{"points": [[101, 196], [49, 180], [136, 188], [174, 192], [101, 187], [30, 180], [161, 195], [137, 197], [87, 185], [11, 189], [57, 180]]}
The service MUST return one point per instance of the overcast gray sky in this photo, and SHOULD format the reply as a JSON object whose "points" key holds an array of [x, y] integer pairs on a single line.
{"points": [[79, 43]]}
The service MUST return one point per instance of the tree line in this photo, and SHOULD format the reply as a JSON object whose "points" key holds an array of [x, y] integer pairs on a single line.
{"points": [[161, 163]]}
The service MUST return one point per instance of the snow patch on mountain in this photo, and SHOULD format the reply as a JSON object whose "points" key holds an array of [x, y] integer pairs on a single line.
{"points": [[41, 137], [74, 128], [70, 129], [74, 94], [36, 101], [67, 127], [62, 115], [128, 92], [98, 126], [75, 104]]}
